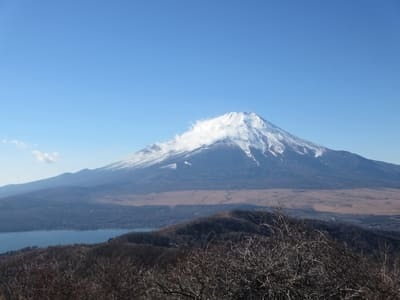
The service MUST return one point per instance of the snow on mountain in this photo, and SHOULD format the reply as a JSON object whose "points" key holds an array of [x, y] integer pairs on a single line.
{"points": [[245, 130], [232, 151]]}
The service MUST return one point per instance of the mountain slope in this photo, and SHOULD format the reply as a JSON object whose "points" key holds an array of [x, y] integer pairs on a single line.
{"points": [[233, 151], [246, 131]]}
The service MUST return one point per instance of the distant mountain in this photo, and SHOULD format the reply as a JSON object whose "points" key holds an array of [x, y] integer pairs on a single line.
{"points": [[232, 151]]}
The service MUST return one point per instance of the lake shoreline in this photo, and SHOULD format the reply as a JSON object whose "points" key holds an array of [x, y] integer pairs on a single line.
{"points": [[19, 240]]}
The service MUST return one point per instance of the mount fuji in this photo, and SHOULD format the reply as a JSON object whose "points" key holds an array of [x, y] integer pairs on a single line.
{"points": [[230, 152]]}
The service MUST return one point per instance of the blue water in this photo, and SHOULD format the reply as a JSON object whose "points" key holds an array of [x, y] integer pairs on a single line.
{"points": [[10, 241]]}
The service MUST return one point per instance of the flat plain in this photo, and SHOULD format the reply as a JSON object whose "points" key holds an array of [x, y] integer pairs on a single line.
{"points": [[344, 201]]}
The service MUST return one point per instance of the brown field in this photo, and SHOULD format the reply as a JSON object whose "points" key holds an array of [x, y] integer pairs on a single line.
{"points": [[347, 201]]}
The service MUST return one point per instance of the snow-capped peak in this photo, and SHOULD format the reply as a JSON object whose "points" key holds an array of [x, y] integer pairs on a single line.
{"points": [[246, 130]]}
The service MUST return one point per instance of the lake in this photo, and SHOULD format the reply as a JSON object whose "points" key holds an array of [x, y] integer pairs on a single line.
{"points": [[10, 241]]}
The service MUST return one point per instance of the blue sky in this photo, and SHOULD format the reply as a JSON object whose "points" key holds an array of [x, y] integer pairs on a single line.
{"points": [[84, 83]]}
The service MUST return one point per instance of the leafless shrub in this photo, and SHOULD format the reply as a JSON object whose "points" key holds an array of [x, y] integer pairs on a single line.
{"points": [[285, 261], [293, 263]]}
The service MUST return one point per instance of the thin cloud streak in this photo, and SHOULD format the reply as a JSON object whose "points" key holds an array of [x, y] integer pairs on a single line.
{"points": [[17, 143]]}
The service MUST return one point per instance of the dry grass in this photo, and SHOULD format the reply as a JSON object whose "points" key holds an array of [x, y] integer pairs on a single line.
{"points": [[347, 201]]}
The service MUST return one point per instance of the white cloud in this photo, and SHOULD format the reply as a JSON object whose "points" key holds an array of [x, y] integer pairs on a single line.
{"points": [[41, 156], [45, 157]]}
